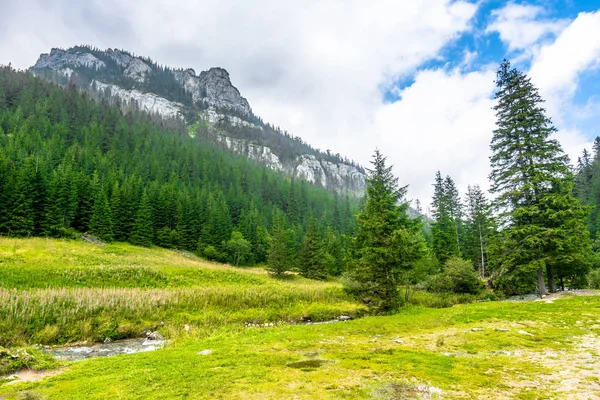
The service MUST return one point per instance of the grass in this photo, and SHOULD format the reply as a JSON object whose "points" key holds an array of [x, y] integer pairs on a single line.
{"points": [[374, 356], [67, 291], [60, 291]]}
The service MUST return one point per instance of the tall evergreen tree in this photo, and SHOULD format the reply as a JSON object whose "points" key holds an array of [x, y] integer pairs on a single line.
{"points": [[312, 255], [279, 258], [386, 244], [101, 223], [142, 229], [531, 178], [444, 230], [479, 228]]}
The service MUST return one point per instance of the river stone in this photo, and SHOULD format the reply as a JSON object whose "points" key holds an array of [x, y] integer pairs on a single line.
{"points": [[204, 352]]}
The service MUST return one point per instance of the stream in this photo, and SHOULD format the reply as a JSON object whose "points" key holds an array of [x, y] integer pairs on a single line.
{"points": [[82, 352]]}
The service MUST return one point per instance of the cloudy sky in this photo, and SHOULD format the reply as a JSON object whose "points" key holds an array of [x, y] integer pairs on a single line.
{"points": [[412, 78]]}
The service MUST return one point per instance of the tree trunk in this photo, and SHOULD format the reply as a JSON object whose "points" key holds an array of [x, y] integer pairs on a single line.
{"points": [[541, 283], [551, 281], [482, 273]]}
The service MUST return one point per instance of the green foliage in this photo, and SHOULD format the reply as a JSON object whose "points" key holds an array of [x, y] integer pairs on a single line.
{"points": [[479, 229], [280, 256], [593, 279], [101, 223], [542, 224], [446, 231], [239, 248], [387, 244], [312, 255], [458, 277], [142, 229]]}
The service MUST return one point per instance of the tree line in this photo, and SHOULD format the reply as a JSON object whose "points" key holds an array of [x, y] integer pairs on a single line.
{"points": [[70, 164], [531, 236]]}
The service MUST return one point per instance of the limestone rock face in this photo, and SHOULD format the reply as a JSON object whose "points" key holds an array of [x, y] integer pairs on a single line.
{"points": [[214, 88], [148, 102], [137, 70], [59, 59]]}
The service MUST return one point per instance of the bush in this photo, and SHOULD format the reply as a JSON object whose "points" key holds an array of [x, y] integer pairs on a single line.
{"points": [[211, 253], [594, 279], [458, 277]]}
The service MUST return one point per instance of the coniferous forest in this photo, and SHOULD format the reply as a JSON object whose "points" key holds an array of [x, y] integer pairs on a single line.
{"points": [[69, 165]]}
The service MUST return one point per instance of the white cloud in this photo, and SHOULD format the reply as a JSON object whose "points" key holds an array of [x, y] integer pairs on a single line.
{"points": [[521, 26], [444, 121], [556, 67]]}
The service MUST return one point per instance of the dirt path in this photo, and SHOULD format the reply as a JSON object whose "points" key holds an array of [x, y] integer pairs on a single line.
{"points": [[31, 375], [567, 294]]}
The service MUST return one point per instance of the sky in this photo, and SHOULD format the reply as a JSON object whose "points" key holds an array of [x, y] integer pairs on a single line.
{"points": [[414, 79]]}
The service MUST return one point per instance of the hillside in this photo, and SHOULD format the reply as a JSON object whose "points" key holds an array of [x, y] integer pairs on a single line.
{"points": [[63, 291], [207, 103], [69, 164]]}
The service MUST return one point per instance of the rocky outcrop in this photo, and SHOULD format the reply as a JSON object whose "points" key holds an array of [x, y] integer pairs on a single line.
{"points": [[137, 70], [255, 152], [59, 60], [214, 88], [338, 177], [147, 102]]}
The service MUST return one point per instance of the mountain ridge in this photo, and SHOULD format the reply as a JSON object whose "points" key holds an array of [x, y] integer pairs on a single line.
{"points": [[208, 103]]}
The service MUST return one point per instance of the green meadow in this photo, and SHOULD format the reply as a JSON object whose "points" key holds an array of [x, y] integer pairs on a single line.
{"points": [[56, 292]]}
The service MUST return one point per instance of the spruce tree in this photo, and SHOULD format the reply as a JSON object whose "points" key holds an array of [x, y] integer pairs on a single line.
{"points": [[101, 223], [532, 181], [386, 244], [278, 262], [311, 260], [479, 228], [444, 230], [143, 232]]}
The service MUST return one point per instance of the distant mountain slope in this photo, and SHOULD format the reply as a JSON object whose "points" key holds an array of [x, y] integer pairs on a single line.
{"points": [[207, 102]]}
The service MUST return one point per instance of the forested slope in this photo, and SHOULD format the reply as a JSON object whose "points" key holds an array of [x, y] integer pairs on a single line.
{"points": [[70, 164]]}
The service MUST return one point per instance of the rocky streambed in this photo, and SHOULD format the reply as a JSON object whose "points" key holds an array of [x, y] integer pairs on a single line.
{"points": [[127, 346]]}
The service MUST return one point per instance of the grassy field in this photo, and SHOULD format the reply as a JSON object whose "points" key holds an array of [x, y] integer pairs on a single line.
{"points": [[55, 292], [490, 350], [523, 350]]}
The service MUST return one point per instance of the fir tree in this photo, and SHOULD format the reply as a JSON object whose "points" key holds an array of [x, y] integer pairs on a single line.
{"points": [[311, 261], [278, 261], [444, 230], [142, 229], [386, 244], [531, 178], [101, 223], [479, 228]]}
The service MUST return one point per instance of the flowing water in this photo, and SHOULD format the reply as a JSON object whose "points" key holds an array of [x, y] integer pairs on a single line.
{"points": [[82, 352]]}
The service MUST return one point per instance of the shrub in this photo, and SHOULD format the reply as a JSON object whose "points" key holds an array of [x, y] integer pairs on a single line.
{"points": [[458, 277], [594, 279]]}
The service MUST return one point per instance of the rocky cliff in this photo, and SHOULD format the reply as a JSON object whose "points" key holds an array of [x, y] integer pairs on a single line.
{"points": [[208, 102]]}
